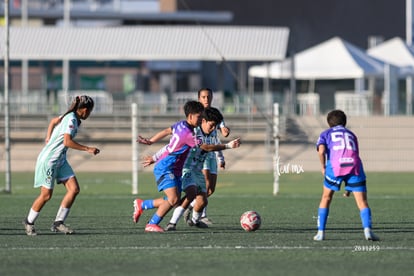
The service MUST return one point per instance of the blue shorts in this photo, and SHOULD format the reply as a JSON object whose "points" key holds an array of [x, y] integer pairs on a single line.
{"points": [[166, 179], [353, 183]]}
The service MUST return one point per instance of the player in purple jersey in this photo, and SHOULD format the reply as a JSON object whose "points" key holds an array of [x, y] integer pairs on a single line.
{"points": [[339, 157], [168, 168]]}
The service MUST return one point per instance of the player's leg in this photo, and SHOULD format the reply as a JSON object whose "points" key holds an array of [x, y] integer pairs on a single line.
{"points": [[365, 214], [45, 179], [72, 190], [170, 187], [210, 176], [34, 212], [357, 185], [206, 173], [331, 185], [200, 204], [190, 190], [323, 212], [66, 176], [140, 205]]}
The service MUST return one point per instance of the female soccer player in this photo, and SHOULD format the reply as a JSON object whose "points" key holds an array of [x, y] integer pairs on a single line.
{"points": [[339, 157], [193, 180], [52, 165], [205, 96]]}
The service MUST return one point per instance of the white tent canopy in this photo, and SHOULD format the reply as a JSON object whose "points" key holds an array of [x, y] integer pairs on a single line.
{"points": [[397, 53], [332, 59], [394, 51]]}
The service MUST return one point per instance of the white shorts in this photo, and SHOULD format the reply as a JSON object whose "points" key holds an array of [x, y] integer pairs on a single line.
{"points": [[210, 163], [46, 175], [193, 178]]}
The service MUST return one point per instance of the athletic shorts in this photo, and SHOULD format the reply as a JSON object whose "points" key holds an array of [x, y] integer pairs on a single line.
{"points": [[193, 178], [47, 175], [353, 183], [168, 180], [210, 163]]}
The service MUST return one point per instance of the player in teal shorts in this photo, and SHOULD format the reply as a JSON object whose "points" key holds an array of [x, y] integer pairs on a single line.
{"points": [[339, 157], [52, 165], [193, 179], [205, 96]]}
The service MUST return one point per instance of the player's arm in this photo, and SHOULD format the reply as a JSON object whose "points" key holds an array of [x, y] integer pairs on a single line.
{"points": [[149, 160], [230, 145], [220, 158], [219, 154], [160, 135], [68, 142], [53, 122], [225, 130], [322, 157]]}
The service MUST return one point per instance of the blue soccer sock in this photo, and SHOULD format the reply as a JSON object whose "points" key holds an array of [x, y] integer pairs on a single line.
{"points": [[148, 204], [322, 218], [155, 219], [366, 217]]}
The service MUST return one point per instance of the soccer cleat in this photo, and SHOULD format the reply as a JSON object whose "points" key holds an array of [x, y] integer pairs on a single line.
{"points": [[187, 213], [190, 222], [206, 220], [198, 224], [137, 210], [30, 229], [369, 235], [320, 236], [59, 226], [170, 227], [153, 228], [201, 224]]}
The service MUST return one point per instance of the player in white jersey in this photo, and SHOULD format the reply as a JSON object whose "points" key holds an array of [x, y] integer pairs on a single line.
{"points": [[193, 180], [52, 165], [205, 96]]}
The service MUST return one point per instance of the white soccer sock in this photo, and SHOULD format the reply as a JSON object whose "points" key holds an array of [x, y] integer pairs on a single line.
{"points": [[32, 216], [204, 214], [62, 214], [178, 212], [196, 216]]}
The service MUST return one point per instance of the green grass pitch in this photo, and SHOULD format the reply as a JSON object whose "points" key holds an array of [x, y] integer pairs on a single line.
{"points": [[107, 242]]}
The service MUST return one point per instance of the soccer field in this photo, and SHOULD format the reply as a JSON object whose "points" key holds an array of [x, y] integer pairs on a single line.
{"points": [[107, 242]]}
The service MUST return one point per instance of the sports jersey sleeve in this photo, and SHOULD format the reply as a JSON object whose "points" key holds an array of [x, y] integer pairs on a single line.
{"points": [[182, 139], [71, 125], [157, 156]]}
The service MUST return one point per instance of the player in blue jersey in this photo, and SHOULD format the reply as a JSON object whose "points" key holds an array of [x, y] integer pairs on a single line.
{"points": [[168, 168], [205, 97], [169, 164], [193, 180], [52, 165], [339, 157]]}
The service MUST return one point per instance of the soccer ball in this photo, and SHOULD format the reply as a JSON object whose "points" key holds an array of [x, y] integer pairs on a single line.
{"points": [[250, 221]]}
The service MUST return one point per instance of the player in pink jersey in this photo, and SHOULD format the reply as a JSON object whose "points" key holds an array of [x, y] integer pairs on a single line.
{"points": [[339, 157], [168, 168]]}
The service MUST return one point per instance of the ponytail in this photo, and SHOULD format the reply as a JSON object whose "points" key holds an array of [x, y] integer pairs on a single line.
{"points": [[78, 102]]}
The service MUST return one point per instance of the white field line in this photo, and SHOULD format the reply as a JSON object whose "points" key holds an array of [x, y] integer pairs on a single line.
{"points": [[365, 248]]}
